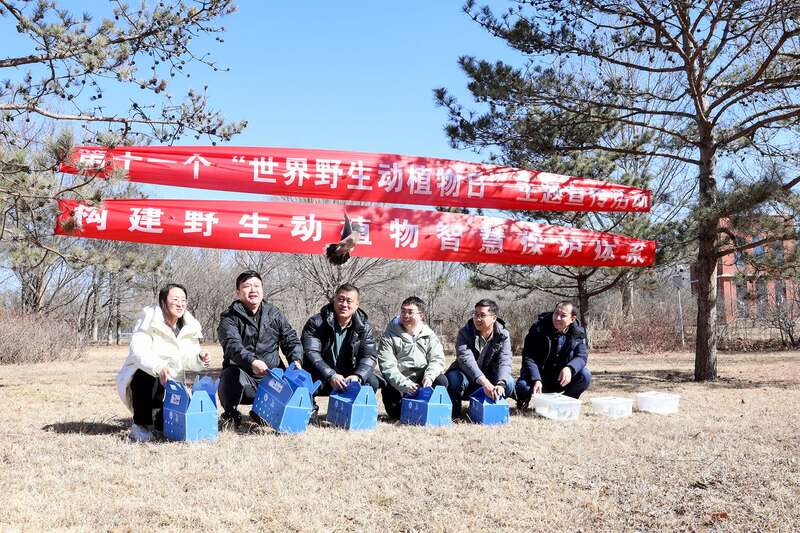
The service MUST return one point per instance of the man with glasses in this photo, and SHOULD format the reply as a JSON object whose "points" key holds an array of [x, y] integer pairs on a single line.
{"points": [[251, 331], [483, 358], [410, 355], [339, 344], [554, 356]]}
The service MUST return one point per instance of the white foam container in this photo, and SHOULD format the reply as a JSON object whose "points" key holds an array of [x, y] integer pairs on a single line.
{"points": [[612, 406], [556, 406], [662, 403]]}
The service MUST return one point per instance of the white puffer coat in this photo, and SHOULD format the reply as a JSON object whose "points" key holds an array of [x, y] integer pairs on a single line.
{"points": [[154, 347]]}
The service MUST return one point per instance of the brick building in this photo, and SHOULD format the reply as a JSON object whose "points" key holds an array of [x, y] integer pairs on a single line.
{"points": [[742, 294]]}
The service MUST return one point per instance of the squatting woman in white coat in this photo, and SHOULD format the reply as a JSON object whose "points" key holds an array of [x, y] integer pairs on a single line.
{"points": [[165, 342]]}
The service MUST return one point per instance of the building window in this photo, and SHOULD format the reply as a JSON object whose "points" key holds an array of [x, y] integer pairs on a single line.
{"points": [[762, 306], [777, 252], [741, 299], [780, 293], [757, 250], [738, 254]]}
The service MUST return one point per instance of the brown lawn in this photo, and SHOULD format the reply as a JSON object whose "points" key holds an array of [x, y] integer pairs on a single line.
{"points": [[728, 461]]}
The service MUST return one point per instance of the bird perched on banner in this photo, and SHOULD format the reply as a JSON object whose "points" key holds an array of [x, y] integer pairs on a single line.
{"points": [[339, 252]]}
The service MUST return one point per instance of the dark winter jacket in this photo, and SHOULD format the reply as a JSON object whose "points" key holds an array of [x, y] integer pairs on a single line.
{"points": [[243, 340], [357, 355], [494, 360], [539, 357]]}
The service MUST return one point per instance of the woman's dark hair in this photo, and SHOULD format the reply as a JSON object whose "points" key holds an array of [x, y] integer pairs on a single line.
{"points": [[162, 298]]}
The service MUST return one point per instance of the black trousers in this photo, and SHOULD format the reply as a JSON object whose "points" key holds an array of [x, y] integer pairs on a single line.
{"points": [[393, 398], [147, 394], [237, 387]]}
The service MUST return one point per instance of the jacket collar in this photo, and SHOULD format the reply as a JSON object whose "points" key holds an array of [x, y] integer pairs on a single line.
{"points": [[499, 330], [190, 323], [546, 326], [396, 327], [238, 307]]}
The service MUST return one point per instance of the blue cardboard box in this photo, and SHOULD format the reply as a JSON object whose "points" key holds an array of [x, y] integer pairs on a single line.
{"points": [[428, 407], [189, 416], [297, 377], [283, 404], [207, 384], [484, 410], [354, 408]]}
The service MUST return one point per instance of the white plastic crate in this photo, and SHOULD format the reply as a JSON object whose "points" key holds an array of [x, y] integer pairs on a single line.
{"points": [[662, 403], [612, 406], [556, 406]]}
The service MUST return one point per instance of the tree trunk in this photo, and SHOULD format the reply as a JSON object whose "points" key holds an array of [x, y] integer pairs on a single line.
{"points": [[705, 361], [97, 281], [583, 304], [626, 291]]}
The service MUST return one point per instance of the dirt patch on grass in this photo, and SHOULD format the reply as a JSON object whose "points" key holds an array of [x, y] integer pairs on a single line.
{"points": [[728, 461]]}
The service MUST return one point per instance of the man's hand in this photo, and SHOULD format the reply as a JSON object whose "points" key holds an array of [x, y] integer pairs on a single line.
{"points": [[412, 389], [427, 382], [165, 374], [537, 387], [205, 359], [490, 391], [565, 377], [259, 367], [499, 391], [338, 382]]}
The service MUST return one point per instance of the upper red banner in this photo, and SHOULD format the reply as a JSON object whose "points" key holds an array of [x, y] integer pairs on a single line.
{"points": [[383, 232], [357, 176]]}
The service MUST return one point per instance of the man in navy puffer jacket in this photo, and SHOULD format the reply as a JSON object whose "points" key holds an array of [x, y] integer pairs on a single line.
{"points": [[554, 356]]}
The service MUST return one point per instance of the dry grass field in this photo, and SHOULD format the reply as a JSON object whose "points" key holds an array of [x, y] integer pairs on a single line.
{"points": [[728, 461]]}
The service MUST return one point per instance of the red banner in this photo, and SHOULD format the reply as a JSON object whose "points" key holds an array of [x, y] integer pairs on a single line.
{"points": [[357, 176], [307, 228]]}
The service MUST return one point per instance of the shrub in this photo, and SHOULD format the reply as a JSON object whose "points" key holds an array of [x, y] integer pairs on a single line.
{"points": [[647, 329], [27, 338]]}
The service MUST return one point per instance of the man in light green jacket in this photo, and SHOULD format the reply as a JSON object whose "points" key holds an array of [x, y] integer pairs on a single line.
{"points": [[410, 355]]}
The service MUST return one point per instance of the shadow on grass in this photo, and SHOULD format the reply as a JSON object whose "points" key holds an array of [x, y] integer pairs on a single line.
{"points": [[638, 380], [90, 427]]}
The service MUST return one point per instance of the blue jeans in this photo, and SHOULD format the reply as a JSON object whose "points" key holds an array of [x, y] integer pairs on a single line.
{"points": [[580, 382], [459, 388]]}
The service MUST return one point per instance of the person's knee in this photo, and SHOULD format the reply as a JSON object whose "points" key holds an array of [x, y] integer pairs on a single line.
{"points": [[456, 384], [374, 382], [585, 377], [579, 383], [509, 390], [523, 390]]}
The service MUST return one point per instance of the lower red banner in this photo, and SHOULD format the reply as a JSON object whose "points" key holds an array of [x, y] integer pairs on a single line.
{"points": [[393, 233]]}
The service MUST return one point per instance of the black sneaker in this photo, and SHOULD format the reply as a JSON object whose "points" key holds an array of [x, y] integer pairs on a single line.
{"points": [[231, 420], [523, 406], [314, 418], [257, 419]]}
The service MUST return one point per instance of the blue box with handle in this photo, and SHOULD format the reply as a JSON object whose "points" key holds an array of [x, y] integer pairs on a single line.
{"points": [[354, 408], [484, 410], [428, 407], [283, 399], [190, 416]]}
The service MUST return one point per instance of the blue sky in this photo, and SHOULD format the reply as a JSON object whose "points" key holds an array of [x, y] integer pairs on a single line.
{"points": [[346, 75], [340, 75]]}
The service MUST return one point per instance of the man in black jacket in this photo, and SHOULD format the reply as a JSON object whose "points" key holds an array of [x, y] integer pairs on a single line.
{"points": [[251, 331], [554, 356], [339, 344]]}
